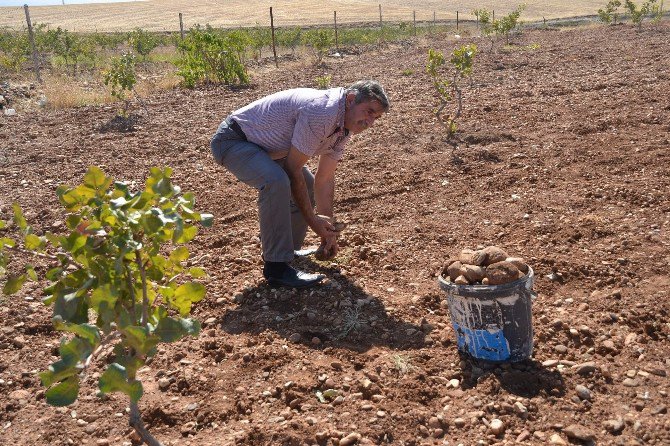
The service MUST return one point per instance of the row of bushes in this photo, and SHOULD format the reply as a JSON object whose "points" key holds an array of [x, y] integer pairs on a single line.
{"points": [[72, 52]]}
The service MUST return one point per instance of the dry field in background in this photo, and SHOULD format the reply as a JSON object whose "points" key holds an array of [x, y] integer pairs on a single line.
{"points": [[162, 15]]}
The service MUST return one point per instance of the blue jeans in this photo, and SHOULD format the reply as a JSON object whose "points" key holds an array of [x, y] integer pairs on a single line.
{"points": [[282, 225]]}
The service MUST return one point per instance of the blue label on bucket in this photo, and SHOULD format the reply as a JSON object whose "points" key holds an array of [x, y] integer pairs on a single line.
{"points": [[489, 345]]}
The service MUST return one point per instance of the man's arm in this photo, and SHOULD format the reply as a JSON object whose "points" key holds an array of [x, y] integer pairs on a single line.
{"points": [[294, 163], [324, 185]]}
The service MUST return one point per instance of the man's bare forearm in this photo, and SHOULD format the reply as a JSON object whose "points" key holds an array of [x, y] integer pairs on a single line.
{"points": [[301, 197], [324, 193]]}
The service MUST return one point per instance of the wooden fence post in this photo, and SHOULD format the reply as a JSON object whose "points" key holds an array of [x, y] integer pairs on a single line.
{"points": [[337, 45], [380, 16], [414, 22], [31, 36], [181, 27], [274, 45], [456, 20], [493, 19]]}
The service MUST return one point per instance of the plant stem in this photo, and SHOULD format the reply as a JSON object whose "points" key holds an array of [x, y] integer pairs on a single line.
{"points": [[145, 297], [131, 290], [137, 424]]}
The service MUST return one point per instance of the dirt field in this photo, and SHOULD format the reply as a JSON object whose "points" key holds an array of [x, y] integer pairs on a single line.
{"points": [[163, 15], [562, 158]]}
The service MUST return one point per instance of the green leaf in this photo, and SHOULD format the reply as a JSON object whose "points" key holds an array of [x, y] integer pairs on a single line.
{"points": [[140, 339], [187, 234], [19, 219], [14, 284], [115, 379], [54, 274], [95, 179], [186, 295], [30, 271], [197, 272], [64, 393], [103, 298], [170, 330], [89, 332], [3, 224], [58, 371], [74, 242], [33, 242], [6, 241], [76, 350], [180, 254]]}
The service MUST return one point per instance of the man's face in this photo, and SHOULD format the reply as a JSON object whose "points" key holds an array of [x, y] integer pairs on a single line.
{"points": [[359, 117]]}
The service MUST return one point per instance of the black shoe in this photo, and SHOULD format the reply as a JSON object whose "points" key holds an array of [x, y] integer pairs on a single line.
{"points": [[282, 274]]}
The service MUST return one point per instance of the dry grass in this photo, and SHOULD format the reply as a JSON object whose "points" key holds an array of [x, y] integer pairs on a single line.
{"points": [[61, 92], [163, 15]]}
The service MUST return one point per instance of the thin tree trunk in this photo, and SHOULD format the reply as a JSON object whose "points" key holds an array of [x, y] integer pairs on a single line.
{"points": [[137, 424]]}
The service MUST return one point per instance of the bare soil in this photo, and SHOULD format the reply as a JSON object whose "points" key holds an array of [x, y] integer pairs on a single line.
{"points": [[562, 157]]}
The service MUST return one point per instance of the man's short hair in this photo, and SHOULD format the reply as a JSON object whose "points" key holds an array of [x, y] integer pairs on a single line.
{"points": [[369, 90]]}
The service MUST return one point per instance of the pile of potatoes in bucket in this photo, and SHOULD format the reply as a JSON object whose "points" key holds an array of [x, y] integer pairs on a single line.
{"points": [[488, 266]]}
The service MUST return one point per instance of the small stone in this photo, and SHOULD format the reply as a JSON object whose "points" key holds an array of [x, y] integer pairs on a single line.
{"points": [[585, 368], [163, 383], [561, 349], [350, 439], [630, 382], [556, 439], [523, 436], [583, 392], [19, 342], [295, 337], [579, 432], [550, 363], [316, 340], [459, 422], [102, 442], [496, 426], [614, 426]]}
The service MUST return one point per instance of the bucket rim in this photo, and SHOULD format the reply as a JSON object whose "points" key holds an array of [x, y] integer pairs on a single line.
{"points": [[448, 286]]}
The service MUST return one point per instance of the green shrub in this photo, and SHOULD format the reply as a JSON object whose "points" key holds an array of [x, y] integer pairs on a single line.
{"points": [[117, 278], [207, 56], [610, 13], [320, 40], [638, 13], [143, 42], [447, 82], [121, 79]]}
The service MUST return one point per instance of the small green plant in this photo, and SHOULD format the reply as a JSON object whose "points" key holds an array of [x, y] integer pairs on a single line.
{"points": [[638, 13], [402, 364], [351, 321], [320, 40], [448, 89], [407, 72], [143, 42], [609, 14], [289, 38], [208, 56], [323, 82], [121, 79], [506, 24], [116, 277]]}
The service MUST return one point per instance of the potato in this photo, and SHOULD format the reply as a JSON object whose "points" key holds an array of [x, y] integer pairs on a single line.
{"points": [[501, 272], [470, 257], [473, 273], [494, 255], [461, 280], [519, 263], [454, 270]]}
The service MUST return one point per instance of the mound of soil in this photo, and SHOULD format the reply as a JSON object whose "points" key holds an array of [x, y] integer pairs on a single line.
{"points": [[562, 157]]}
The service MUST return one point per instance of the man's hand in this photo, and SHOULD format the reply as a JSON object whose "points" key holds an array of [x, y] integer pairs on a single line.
{"points": [[329, 246]]}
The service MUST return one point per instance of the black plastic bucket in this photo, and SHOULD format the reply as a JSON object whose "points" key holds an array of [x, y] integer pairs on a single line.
{"points": [[493, 322]]}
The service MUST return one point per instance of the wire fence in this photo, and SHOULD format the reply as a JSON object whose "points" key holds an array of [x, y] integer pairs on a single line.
{"points": [[164, 16]]}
